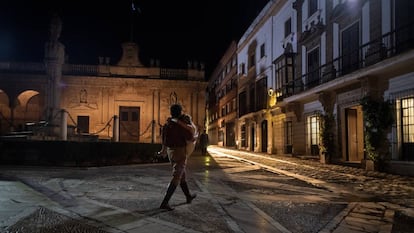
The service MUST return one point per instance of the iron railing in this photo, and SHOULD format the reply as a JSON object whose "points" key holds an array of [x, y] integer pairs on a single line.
{"points": [[389, 45]]}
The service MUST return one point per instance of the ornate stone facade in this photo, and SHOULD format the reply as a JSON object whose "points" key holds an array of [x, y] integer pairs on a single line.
{"points": [[92, 95]]}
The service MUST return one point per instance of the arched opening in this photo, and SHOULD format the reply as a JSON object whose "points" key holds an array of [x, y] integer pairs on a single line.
{"points": [[27, 108]]}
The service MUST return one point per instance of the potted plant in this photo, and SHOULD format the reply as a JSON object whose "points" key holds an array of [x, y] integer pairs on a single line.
{"points": [[327, 145], [378, 118]]}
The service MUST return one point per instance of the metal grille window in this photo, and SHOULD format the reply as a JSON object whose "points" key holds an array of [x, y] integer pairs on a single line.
{"points": [[407, 119], [313, 133], [407, 127]]}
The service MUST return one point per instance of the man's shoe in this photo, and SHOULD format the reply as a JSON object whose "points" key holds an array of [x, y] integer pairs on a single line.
{"points": [[190, 198], [164, 204], [166, 207]]}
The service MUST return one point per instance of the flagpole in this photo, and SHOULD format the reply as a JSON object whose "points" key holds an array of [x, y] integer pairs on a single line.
{"points": [[132, 22]]}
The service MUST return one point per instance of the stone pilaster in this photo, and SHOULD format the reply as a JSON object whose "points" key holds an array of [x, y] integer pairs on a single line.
{"points": [[297, 109], [327, 99]]}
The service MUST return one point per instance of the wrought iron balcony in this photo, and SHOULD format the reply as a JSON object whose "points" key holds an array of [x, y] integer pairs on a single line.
{"points": [[389, 45]]}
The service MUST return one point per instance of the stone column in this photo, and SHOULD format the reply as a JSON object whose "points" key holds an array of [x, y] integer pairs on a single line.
{"points": [[155, 112], [54, 59]]}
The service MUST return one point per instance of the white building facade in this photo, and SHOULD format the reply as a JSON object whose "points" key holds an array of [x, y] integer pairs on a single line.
{"points": [[306, 66]]}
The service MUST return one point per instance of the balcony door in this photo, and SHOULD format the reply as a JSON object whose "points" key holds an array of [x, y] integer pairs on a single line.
{"points": [[350, 49], [313, 68]]}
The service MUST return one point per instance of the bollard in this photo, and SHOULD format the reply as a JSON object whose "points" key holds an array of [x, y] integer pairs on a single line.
{"points": [[115, 134], [153, 132], [64, 125]]}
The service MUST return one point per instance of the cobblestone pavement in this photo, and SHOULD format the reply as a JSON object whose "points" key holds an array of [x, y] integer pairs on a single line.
{"points": [[377, 201], [236, 192]]}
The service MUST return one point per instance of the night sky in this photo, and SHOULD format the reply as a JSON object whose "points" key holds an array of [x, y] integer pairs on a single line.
{"points": [[171, 31]]}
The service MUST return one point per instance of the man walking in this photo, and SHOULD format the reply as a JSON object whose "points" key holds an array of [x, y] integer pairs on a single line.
{"points": [[175, 137], [204, 143]]}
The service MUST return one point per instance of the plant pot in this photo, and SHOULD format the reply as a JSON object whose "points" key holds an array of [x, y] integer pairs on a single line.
{"points": [[324, 158], [371, 165]]}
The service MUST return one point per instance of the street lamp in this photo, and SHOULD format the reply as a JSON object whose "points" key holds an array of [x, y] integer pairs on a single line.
{"points": [[270, 92], [272, 97]]}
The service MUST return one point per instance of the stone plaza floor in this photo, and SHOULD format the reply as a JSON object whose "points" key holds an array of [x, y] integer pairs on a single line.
{"points": [[236, 191]]}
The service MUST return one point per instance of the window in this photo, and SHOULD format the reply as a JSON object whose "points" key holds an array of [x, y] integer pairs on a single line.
{"points": [[242, 103], [134, 116], [313, 133], [242, 68], [313, 7], [403, 25], [124, 116], [262, 50], [252, 58], [261, 89], [284, 69], [407, 128], [288, 27]]}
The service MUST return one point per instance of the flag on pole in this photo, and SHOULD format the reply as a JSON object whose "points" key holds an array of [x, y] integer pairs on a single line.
{"points": [[133, 8]]}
